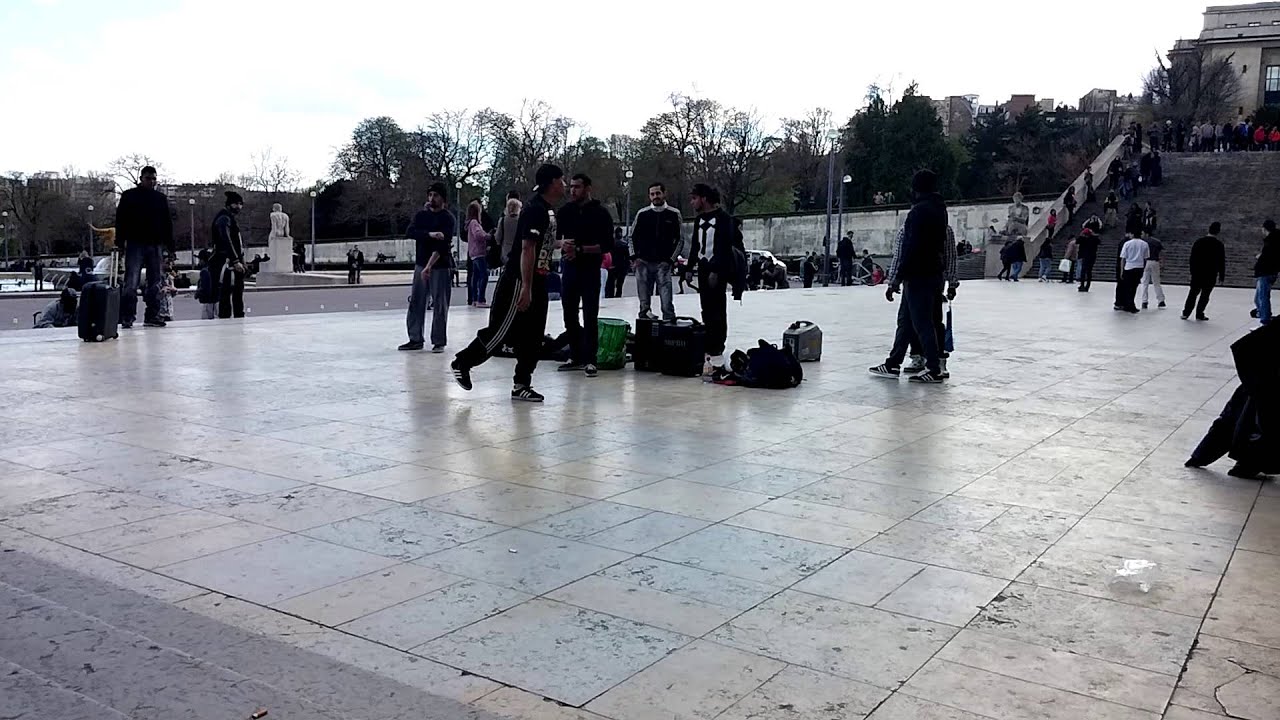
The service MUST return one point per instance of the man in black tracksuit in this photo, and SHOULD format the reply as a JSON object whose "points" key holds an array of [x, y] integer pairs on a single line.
{"points": [[518, 314], [226, 266], [715, 235], [655, 241], [1208, 263], [144, 228], [586, 231]]}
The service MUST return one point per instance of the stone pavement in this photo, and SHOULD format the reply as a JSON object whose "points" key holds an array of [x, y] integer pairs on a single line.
{"points": [[287, 513]]}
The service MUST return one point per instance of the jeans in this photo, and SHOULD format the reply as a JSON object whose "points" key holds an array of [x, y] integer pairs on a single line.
{"points": [[1046, 265], [1084, 268], [522, 330], [439, 291], [477, 280], [1151, 276], [581, 286], [916, 321], [1201, 288], [1262, 298], [1015, 271], [136, 258], [649, 274]]}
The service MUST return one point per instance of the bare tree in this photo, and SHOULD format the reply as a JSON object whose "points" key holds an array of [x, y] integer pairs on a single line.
{"points": [[126, 170], [37, 210], [1197, 84], [270, 173], [803, 154], [452, 144], [536, 135]]}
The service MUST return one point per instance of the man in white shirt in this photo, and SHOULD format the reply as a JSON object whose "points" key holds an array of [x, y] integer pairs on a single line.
{"points": [[1133, 259]]}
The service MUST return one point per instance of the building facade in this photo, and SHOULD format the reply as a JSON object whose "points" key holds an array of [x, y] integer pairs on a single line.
{"points": [[1251, 35]]}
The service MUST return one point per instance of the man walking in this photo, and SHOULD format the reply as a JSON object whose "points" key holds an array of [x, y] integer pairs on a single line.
{"points": [[1151, 273], [1208, 261], [1133, 258], [518, 313], [845, 252], [1265, 270], [144, 228], [620, 254], [586, 231], [715, 235], [226, 266], [1087, 250], [919, 265], [655, 240], [432, 230]]}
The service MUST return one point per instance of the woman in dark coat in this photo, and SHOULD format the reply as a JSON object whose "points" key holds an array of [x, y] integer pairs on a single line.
{"points": [[1248, 430]]}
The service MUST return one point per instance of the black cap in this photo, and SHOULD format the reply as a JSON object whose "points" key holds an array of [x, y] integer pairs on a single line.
{"points": [[233, 197], [924, 181], [546, 175], [439, 189]]}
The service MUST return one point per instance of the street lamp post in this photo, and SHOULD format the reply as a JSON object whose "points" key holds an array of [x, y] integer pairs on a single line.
{"points": [[627, 220], [89, 223], [313, 231], [833, 135], [4, 216], [457, 218], [844, 188], [191, 207]]}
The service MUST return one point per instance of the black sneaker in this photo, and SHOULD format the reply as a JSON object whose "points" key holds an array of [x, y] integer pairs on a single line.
{"points": [[461, 375], [723, 376], [1186, 317], [526, 394], [886, 371], [571, 367], [1144, 306], [437, 349], [926, 378], [1202, 318], [1161, 305], [1132, 311], [157, 323], [410, 346], [590, 370], [127, 325]]}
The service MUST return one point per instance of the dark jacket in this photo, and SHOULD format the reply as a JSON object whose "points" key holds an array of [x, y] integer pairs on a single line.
{"points": [[586, 224], [718, 231], [1208, 259], [424, 223], [227, 245], [621, 256], [1268, 263], [1018, 251], [924, 234], [655, 235], [1046, 251], [143, 218], [844, 250], [1087, 246]]}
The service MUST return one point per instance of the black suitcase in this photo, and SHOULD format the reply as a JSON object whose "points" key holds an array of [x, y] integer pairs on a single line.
{"points": [[684, 344], [98, 317], [646, 346]]}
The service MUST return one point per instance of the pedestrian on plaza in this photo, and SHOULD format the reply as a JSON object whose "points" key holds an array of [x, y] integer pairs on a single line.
{"points": [[1070, 255], [809, 270], [1149, 219], [1087, 247], [711, 256], [1135, 220], [85, 264], [1273, 138], [1069, 202], [1246, 429], [586, 231], [1208, 262], [1151, 272], [1113, 174], [1090, 192], [1265, 269], [1045, 258], [845, 254], [1157, 170], [37, 274], [655, 242], [1133, 259], [1181, 138], [477, 248], [351, 266], [518, 315], [1017, 258], [620, 256], [1006, 260], [144, 229], [505, 232], [1094, 223], [1110, 211], [918, 268], [1051, 222], [432, 231], [227, 266]]}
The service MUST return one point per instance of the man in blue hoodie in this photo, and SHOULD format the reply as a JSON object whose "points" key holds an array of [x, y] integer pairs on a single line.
{"points": [[918, 267]]}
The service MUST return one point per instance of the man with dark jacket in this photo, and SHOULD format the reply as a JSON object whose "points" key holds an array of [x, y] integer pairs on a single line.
{"points": [[620, 255], [845, 252], [227, 266], [918, 267], [586, 231], [655, 241], [144, 228], [1208, 262], [1265, 270], [431, 230], [711, 256], [1087, 250]]}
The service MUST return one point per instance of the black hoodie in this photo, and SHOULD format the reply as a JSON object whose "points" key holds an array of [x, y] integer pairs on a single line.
{"points": [[586, 224], [924, 235]]}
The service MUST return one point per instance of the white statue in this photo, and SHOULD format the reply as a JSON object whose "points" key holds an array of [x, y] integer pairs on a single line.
{"points": [[1019, 218], [279, 244], [279, 222]]}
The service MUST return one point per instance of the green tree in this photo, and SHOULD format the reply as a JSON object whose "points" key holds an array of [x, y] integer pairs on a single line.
{"points": [[885, 145]]}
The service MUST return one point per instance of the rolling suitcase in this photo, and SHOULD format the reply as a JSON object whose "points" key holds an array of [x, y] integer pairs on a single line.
{"points": [[98, 317], [646, 347], [804, 339], [683, 347]]}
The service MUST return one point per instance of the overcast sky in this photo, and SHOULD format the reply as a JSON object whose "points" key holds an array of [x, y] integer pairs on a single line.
{"points": [[201, 85]]}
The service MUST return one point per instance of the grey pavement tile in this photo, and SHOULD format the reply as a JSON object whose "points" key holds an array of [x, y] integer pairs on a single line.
{"points": [[194, 544], [1043, 496], [423, 618], [888, 500], [505, 503], [646, 532], [556, 650], [510, 702], [1262, 532], [947, 596], [852, 641], [1232, 678], [1165, 547], [798, 693], [145, 531], [961, 513], [696, 500], [651, 607], [860, 578], [702, 585], [905, 707], [355, 598], [1174, 514], [1046, 526], [749, 554], [84, 512], [302, 508], [27, 485], [1173, 588], [524, 560], [910, 475], [587, 520], [810, 530], [1246, 599], [974, 552], [404, 532]]}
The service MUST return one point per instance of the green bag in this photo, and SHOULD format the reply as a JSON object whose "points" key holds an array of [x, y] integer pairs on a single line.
{"points": [[612, 348]]}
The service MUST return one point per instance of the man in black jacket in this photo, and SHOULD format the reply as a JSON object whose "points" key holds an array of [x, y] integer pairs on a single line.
{"points": [[1265, 270], [586, 231], [1087, 251], [655, 241], [620, 254], [1208, 262], [715, 235], [226, 266], [144, 228], [845, 252]]}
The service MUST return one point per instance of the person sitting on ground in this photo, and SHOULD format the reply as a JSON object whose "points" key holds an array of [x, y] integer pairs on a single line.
{"points": [[60, 312]]}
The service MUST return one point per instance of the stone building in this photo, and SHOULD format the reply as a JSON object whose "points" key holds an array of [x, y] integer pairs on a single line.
{"points": [[1251, 33]]}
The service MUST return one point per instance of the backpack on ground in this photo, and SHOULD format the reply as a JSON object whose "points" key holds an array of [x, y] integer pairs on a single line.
{"points": [[767, 366]]}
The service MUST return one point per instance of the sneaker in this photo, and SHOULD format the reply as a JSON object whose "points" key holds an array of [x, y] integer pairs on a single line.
{"points": [[926, 378], [409, 346], [461, 375], [526, 394], [916, 365], [1161, 304], [571, 367], [1186, 317], [723, 376], [1144, 306], [437, 349], [1132, 311], [481, 305], [1246, 473], [1202, 318], [1253, 313], [590, 370], [157, 323], [945, 374], [885, 370], [127, 325]]}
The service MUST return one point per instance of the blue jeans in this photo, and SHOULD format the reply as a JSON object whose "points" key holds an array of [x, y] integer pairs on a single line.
{"points": [[439, 289], [1015, 270], [1045, 265], [136, 258], [477, 280], [1261, 298]]}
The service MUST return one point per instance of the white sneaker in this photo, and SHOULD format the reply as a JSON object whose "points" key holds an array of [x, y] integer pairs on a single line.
{"points": [[945, 374]]}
